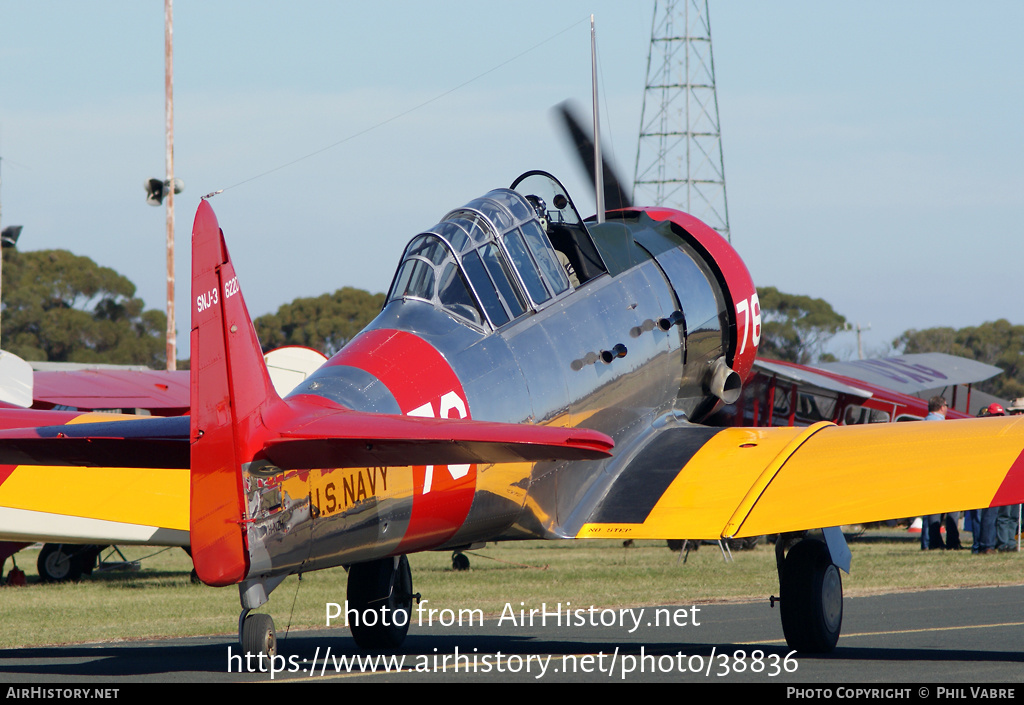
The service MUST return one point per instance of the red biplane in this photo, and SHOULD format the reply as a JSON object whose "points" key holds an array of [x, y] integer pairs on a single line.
{"points": [[861, 391]]}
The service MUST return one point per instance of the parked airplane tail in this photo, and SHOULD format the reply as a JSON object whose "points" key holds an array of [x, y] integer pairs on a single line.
{"points": [[230, 387]]}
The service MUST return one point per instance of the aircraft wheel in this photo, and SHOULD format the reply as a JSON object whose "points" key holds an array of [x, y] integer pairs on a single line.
{"points": [[460, 561], [258, 636], [59, 563], [812, 598], [381, 593]]}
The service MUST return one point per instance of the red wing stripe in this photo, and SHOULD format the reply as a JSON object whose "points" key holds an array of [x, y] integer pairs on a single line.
{"points": [[1011, 489]]}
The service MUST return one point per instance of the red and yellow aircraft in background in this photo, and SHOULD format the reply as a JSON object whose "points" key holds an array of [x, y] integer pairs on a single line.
{"points": [[496, 397], [77, 513]]}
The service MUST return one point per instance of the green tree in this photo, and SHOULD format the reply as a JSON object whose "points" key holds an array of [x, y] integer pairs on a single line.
{"points": [[796, 328], [998, 343], [324, 323], [62, 307]]}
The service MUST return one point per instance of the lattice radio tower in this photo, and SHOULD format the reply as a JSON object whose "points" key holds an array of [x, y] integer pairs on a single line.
{"points": [[679, 155]]}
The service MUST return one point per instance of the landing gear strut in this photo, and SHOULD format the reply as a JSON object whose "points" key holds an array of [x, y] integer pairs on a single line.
{"points": [[811, 597], [380, 592], [256, 635]]}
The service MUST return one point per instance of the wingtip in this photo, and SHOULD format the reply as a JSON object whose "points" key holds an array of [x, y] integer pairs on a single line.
{"points": [[597, 444]]}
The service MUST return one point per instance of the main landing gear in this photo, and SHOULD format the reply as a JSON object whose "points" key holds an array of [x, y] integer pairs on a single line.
{"points": [[460, 561], [381, 594], [811, 596]]}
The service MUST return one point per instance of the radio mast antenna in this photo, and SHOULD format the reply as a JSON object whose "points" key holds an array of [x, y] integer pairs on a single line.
{"points": [[679, 154]]}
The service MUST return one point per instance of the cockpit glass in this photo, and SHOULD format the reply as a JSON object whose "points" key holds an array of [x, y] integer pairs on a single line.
{"points": [[454, 295], [546, 259], [429, 248], [493, 256], [559, 207], [500, 217], [498, 269], [415, 279], [524, 264], [561, 225], [488, 295], [519, 209], [454, 233], [476, 226]]}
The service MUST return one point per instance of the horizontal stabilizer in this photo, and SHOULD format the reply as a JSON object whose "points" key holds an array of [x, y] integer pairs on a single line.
{"points": [[355, 439], [343, 439]]}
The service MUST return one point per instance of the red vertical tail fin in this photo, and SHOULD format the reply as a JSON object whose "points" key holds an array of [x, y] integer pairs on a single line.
{"points": [[230, 388]]}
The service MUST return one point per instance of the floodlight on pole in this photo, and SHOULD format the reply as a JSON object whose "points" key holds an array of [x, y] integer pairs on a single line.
{"points": [[156, 190], [9, 236]]}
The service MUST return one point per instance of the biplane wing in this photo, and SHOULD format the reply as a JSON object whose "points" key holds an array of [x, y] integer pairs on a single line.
{"points": [[808, 378], [159, 392], [914, 373]]}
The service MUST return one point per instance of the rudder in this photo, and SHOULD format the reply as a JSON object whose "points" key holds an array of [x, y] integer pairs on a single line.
{"points": [[229, 389]]}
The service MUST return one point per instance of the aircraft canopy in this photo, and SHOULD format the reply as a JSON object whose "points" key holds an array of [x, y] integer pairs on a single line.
{"points": [[485, 263]]}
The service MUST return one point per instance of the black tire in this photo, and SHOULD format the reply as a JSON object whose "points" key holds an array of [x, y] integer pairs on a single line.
{"points": [[381, 593], [812, 598], [258, 637], [59, 563], [460, 561]]}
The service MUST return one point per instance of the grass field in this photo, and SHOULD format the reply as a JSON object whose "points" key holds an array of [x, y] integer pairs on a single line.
{"points": [[160, 600]]}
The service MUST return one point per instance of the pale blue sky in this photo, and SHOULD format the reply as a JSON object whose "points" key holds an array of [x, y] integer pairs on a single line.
{"points": [[873, 150]]}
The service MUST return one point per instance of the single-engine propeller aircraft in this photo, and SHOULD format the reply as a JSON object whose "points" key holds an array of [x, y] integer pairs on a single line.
{"points": [[531, 375]]}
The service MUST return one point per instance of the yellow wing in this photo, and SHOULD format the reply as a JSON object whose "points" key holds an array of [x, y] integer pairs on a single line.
{"points": [[752, 481]]}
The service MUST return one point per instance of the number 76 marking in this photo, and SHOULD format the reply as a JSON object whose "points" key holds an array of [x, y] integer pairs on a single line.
{"points": [[751, 310]]}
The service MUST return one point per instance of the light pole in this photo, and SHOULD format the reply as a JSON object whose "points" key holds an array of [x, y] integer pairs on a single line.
{"points": [[172, 346], [157, 190]]}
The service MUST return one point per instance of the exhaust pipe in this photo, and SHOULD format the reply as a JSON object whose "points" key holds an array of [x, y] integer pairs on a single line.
{"points": [[725, 382]]}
